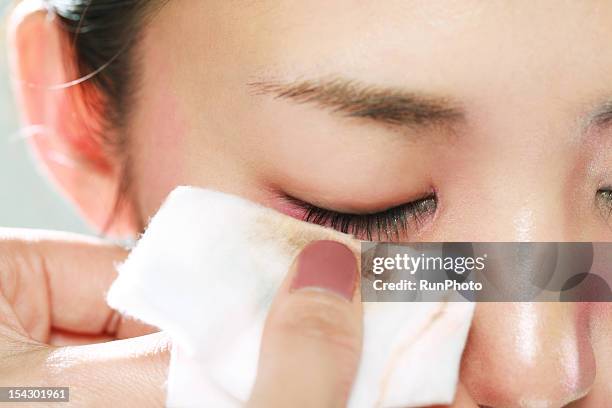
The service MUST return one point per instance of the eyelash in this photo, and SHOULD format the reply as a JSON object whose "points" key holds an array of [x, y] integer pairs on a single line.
{"points": [[396, 222], [392, 224]]}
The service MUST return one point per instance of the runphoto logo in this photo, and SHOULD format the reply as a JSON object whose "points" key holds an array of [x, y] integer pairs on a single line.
{"points": [[412, 264]]}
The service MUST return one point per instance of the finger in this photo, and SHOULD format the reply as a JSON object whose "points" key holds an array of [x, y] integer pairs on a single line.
{"points": [[10, 325], [66, 275], [61, 338], [126, 328], [312, 338], [122, 373]]}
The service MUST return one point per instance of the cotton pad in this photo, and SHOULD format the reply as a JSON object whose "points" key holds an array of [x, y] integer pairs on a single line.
{"points": [[206, 271]]}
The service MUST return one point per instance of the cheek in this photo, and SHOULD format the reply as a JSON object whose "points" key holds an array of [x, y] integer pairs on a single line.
{"points": [[157, 149]]}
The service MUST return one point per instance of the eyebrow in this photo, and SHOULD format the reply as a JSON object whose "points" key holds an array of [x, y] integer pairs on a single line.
{"points": [[389, 106]]}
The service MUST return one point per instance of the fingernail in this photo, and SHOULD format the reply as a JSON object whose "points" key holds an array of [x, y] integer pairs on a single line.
{"points": [[326, 265]]}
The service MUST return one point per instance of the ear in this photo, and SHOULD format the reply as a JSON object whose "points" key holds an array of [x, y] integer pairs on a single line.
{"points": [[60, 124]]}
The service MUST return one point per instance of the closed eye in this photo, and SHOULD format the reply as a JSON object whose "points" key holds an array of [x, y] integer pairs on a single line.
{"points": [[393, 224]]}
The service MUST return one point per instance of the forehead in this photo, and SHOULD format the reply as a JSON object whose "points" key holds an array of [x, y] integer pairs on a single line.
{"points": [[422, 40], [542, 58]]}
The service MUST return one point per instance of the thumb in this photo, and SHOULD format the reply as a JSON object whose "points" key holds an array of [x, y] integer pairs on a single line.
{"points": [[312, 339]]}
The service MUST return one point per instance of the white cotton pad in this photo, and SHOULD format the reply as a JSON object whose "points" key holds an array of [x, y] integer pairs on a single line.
{"points": [[206, 271]]}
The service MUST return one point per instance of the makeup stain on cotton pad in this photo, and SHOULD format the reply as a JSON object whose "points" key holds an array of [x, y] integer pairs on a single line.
{"points": [[294, 235]]}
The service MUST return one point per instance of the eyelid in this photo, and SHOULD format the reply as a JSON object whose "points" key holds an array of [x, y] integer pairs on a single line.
{"points": [[392, 224], [361, 209]]}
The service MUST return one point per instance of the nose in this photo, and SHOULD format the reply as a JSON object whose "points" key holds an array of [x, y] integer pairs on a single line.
{"points": [[521, 355], [528, 355]]}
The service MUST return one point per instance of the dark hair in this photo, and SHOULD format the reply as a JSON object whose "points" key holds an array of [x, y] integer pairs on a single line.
{"points": [[102, 56]]}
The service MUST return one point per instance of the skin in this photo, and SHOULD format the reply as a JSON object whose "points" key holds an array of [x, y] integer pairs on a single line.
{"points": [[56, 323], [524, 163], [56, 330]]}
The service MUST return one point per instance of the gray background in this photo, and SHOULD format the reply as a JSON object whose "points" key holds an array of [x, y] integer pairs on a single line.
{"points": [[26, 198]]}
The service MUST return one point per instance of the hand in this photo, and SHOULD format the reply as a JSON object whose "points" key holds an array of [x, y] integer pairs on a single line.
{"points": [[54, 318], [312, 339]]}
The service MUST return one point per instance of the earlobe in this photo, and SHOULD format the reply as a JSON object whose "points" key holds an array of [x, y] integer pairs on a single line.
{"points": [[63, 128]]}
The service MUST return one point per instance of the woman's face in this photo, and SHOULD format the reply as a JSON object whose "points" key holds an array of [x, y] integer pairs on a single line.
{"points": [[493, 118], [503, 111]]}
